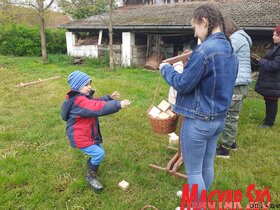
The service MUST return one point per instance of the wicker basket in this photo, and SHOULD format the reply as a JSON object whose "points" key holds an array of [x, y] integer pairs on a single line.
{"points": [[163, 126], [149, 207]]}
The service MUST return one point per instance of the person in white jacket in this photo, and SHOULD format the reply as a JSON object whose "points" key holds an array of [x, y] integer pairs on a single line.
{"points": [[241, 43]]}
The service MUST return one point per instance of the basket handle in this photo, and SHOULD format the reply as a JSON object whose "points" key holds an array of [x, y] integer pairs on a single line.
{"points": [[149, 206], [155, 91]]}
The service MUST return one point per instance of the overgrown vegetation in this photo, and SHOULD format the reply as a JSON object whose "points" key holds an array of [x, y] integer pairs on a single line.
{"points": [[86, 8], [103, 61], [39, 170], [19, 40]]}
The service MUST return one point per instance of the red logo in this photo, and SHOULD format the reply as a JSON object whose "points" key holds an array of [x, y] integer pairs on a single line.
{"points": [[225, 199]]}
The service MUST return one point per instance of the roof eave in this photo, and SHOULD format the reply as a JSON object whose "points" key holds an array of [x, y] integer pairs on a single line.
{"points": [[123, 27], [157, 27], [257, 28]]}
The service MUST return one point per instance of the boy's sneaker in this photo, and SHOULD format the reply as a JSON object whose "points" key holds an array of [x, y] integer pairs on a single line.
{"points": [[222, 152], [233, 146]]}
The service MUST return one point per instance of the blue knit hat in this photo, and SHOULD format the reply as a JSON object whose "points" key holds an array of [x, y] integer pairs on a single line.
{"points": [[77, 80]]}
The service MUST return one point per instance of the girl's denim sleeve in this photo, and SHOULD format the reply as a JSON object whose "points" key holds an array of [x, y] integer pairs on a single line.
{"points": [[191, 76]]}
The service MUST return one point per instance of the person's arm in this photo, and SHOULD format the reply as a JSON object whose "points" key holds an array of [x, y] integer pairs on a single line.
{"points": [[104, 98], [270, 65], [192, 74], [115, 95], [95, 108]]}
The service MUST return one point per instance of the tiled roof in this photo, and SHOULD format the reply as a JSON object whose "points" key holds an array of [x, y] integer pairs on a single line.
{"points": [[247, 13]]}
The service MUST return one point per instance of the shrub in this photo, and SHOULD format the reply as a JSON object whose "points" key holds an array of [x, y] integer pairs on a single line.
{"points": [[21, 40], [56, 41]]}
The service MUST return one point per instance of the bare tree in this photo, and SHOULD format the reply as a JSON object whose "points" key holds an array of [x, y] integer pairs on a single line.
{"points": [[107, 18], [111, 35], [40, 7]]}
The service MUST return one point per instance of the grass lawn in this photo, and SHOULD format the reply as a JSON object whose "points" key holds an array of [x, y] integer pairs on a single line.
{"points": [[39, 169]]}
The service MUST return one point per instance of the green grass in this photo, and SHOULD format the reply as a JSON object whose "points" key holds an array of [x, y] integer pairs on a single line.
{"points": [[39, 170]]}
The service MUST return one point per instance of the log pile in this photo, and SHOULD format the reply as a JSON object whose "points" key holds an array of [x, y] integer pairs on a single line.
{"points": [[162, 111]]}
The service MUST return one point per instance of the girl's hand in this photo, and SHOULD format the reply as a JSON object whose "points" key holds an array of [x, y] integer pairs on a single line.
{"points": [[115, 95], [125, 103]]}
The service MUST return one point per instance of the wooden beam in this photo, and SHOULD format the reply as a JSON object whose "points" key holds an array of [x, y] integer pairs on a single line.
{"points": [[35, 82], [183, 57]]}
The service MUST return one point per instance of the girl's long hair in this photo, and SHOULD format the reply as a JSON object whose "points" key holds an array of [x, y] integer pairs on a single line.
{"points": [[214, 16]]}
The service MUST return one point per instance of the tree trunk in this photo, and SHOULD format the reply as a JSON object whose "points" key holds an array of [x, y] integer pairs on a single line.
{"points": [[43, 37], [111, 36]]}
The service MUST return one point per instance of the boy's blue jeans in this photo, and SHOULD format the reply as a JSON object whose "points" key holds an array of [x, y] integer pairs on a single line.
{"points": [[96, 152], [198, 146]]}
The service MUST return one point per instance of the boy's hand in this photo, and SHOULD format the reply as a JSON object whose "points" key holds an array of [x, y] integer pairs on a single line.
{"points": [[125, 103], [115, 95]]}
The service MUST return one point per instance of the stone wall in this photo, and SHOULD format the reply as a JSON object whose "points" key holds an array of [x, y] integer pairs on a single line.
{"points": [[139, 55]]}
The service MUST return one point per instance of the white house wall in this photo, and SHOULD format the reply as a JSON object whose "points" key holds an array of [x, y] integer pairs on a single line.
{"points": [[126, 54], [128, 41], [80, 51], [84, 51]]}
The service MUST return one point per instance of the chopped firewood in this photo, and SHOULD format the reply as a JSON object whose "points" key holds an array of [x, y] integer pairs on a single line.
{"points": [[173, 138], [164, 105], [255, 75], [171, 114], [163, 115], [154, 112], [255, 56], [78, 61]]}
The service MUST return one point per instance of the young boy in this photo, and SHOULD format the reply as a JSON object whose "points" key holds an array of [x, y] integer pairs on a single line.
{"points": [[81, 111]]}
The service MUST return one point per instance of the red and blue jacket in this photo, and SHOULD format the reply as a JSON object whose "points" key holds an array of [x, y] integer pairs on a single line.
{"points": [[81, 113]]}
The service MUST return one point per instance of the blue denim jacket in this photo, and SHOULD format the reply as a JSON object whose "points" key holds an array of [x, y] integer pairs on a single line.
{"points": [[205, 88]]}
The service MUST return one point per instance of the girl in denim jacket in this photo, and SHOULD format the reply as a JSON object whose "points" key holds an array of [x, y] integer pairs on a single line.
{"points": [[204, 92]]}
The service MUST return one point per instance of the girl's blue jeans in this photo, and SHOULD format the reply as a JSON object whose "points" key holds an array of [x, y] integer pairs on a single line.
{"points": [[198, 145], [96, 152]]}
